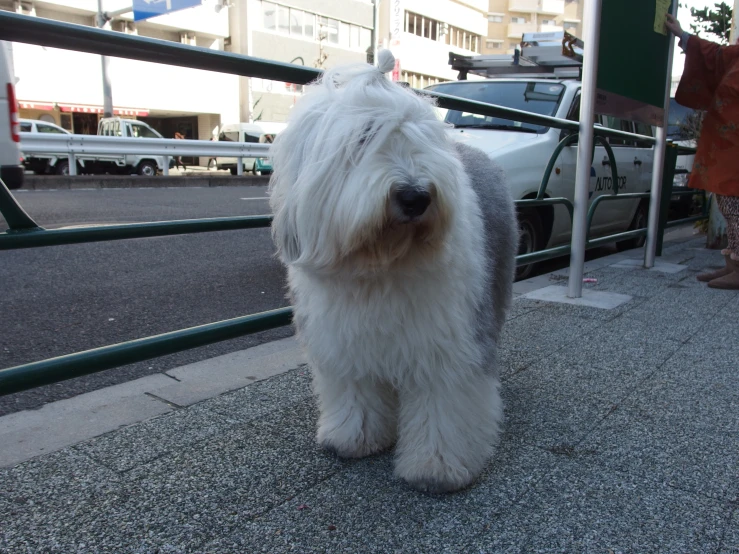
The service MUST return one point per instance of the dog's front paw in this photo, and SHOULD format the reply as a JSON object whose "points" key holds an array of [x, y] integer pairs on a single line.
{"points": [[435, 475], [349, 439]]}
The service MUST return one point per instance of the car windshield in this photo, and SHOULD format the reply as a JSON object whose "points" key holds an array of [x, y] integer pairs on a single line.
{"points": [[140, 131], [682, 123], [530, 96]]}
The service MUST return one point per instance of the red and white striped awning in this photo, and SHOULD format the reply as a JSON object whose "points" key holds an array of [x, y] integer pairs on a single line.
{"points": [[46, 106], [80, 108]]}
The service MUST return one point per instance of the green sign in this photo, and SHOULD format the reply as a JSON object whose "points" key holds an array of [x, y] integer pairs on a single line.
{"points": [[632, 60]]}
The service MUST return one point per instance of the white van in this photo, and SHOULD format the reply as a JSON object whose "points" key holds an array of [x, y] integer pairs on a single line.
{"points": [[128, 128], [260, 132], [49, 162], [11, 170], [523, 150]]}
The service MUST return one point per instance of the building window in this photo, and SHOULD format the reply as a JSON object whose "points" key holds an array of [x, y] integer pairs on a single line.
{"points": [[494, 44], [518, 20], [283, 20], [495, 18], [296, 22], [569, 25], [419, 81], [425, 27], [513, 45], [306, 25], [269, 13], [548, 22]]}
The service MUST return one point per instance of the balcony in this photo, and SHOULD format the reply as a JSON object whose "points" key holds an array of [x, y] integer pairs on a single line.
{"points": [[524, 6], [548, 7], [550, 28], [516, 30], [552, 7]]}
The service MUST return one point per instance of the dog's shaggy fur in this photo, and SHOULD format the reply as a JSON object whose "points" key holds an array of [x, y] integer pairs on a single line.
{"points": [[400, 251]]}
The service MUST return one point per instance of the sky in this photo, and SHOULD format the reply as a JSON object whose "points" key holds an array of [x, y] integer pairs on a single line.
{"points": [[683, 15]]}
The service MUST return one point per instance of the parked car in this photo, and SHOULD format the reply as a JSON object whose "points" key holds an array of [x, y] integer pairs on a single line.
{"points": [[11, 170], [683, 128], [128, 128], [42, 164], [523, 150], [260, 132]]}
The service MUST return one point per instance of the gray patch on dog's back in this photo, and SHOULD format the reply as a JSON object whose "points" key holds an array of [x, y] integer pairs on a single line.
{"points": [[501, 242]]}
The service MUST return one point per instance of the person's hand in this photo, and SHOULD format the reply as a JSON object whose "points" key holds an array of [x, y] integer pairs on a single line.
{"points": [[673, 25]]}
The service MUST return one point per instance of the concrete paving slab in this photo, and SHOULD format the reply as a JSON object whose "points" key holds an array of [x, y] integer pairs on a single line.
{"points": [[528, 338], [661, 266], [139, 444], [208, 378], [589, 509], [678, 430], [362, 510], [591, 298], [34, 432], [730, 540]]}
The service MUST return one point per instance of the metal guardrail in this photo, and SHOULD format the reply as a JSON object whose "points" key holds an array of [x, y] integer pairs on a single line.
{"points": [[25, 233], [94, 145], [83, 148]]}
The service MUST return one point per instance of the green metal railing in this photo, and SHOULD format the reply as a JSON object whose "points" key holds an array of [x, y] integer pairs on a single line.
{"points": [[24, 232]]}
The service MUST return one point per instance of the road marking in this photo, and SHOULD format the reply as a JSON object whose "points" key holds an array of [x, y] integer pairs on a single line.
{"points": [[257, 198]]}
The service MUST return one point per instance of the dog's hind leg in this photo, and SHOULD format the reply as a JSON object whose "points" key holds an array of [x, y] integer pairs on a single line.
{"points": [[447, 432], [358, 416]]}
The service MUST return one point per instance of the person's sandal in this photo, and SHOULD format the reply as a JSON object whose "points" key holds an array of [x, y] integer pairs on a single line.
{"points": [[711, 275]]}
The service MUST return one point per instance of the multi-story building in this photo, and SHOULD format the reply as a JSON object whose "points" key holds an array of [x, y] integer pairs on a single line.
{"points": [[421, 33], [65, 87], [314, 33], [508, 20]]}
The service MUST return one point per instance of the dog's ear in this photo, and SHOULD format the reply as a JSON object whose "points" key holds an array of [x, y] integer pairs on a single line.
{"points": [[285, 233]]}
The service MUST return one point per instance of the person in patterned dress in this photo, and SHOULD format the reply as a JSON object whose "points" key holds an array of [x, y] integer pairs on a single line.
{"points": [[710, 82]]}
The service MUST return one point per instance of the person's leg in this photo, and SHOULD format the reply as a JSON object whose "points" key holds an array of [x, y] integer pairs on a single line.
{"points": [[729, 206], [726, 270]]}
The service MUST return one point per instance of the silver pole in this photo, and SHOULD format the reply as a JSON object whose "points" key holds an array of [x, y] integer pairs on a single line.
{"points": [[375, 34], [584, 146], [658, 165], [102, 20]]}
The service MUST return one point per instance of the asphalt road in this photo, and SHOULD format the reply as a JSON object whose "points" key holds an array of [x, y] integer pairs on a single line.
{"points": [[64, 299]]}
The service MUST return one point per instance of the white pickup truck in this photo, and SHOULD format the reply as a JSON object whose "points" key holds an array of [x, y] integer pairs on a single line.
{"points": [[139, 164], [57, 162]]}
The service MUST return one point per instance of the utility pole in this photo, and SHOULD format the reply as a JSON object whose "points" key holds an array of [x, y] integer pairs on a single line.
{"points": [[102, 22], [734, 24]]}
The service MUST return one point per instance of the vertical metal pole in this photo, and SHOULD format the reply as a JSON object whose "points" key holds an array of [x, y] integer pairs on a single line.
{"points": [[165, 169], [658, 164], [375, 28], [107, 89], [584, 147], [239, 166], [72, 158]]}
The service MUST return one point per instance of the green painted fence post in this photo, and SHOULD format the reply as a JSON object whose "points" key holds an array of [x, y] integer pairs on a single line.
{"points": [[668, 175]]}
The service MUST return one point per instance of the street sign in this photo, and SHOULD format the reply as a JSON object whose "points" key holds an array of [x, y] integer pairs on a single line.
{"points": [[144, 9], [633, 60]]}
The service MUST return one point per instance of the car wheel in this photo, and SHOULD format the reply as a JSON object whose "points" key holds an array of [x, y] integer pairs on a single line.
{"points": [[233, 171], [530, 236], [147, 169], [641, 218], [62, 167]]}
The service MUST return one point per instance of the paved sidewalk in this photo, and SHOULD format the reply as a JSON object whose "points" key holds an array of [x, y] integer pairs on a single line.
{"points": [[621, 435]]}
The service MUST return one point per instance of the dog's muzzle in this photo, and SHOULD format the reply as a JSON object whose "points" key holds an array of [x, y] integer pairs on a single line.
{"points": [[411, 201]]}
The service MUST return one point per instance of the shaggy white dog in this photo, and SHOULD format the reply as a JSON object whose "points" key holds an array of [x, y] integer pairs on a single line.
{"points": [[400, 250]]}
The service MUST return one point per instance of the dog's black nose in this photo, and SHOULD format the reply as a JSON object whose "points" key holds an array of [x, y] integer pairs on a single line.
{"points": [[412, 201]]}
